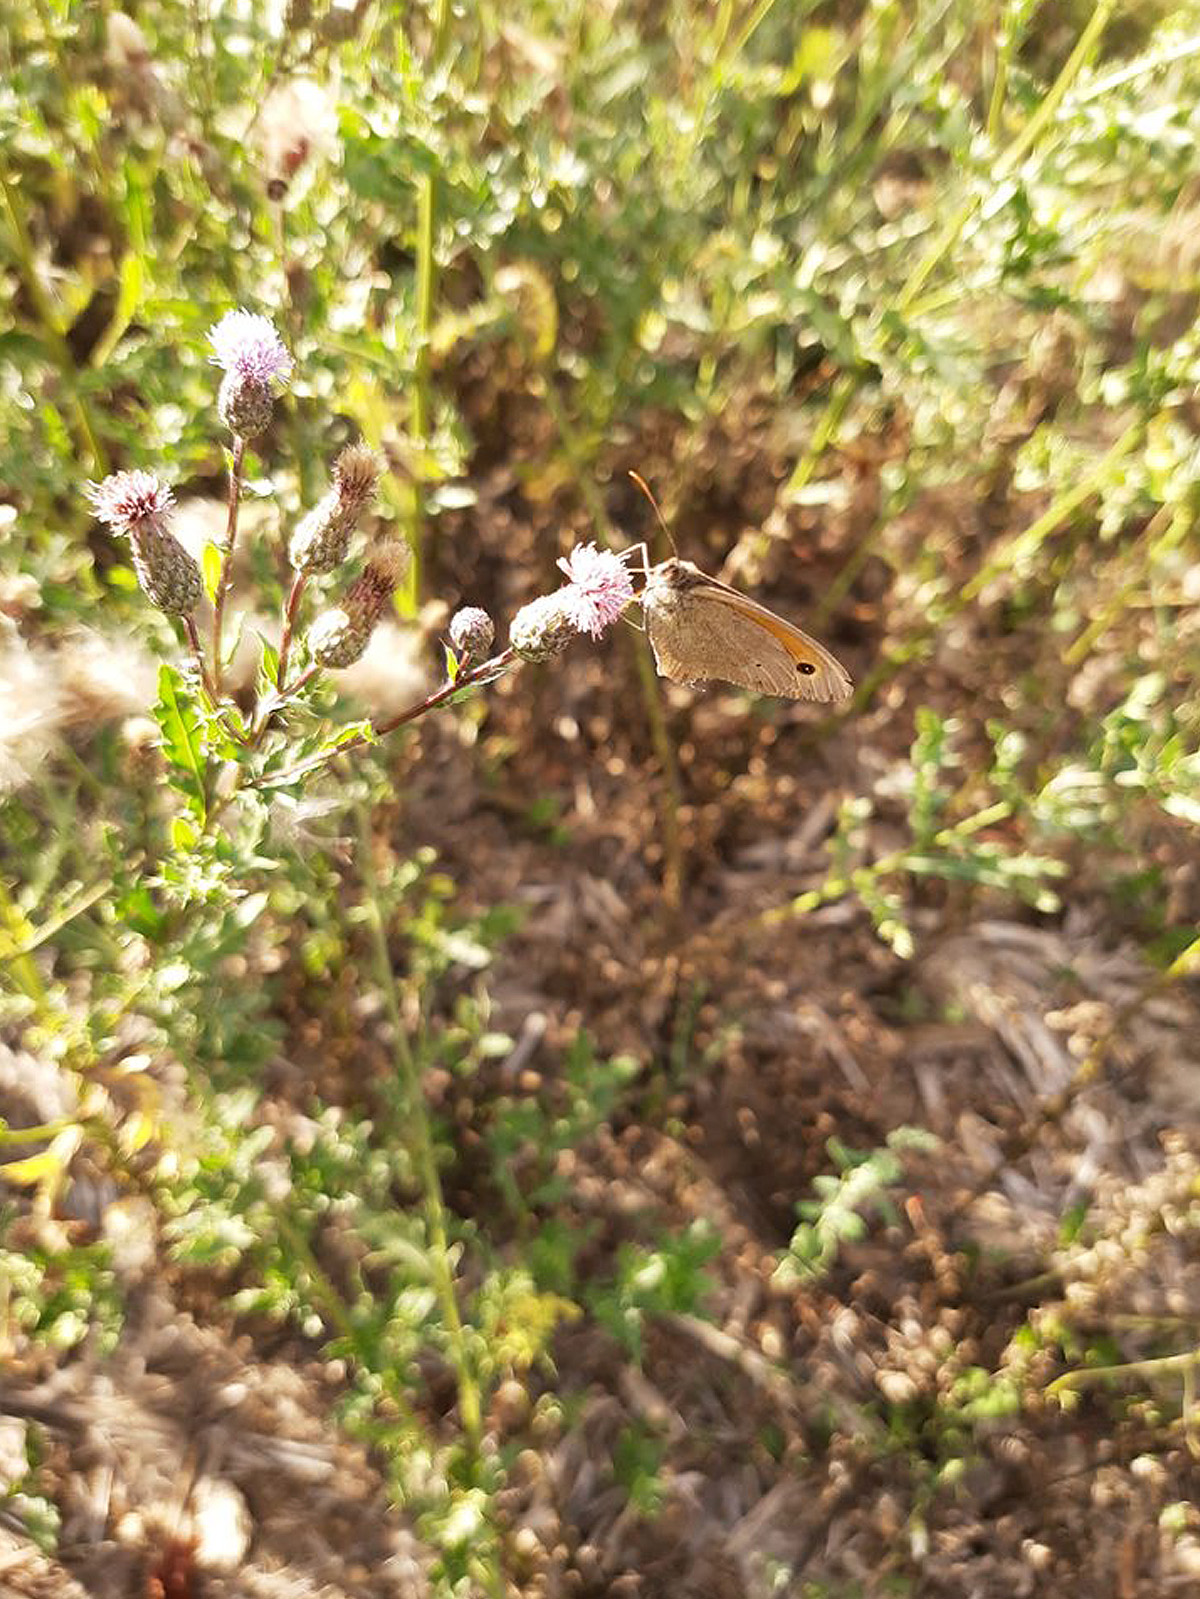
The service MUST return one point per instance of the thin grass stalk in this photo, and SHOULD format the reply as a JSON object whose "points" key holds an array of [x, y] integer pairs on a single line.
{"points": [[50, 321], [427, 280], [419, 1135], [1014, 550], [671, 795], [829, 425], [1180, 520]]}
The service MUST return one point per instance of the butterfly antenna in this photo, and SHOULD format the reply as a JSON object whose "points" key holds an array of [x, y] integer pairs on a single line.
{"points": [[662, 521]]}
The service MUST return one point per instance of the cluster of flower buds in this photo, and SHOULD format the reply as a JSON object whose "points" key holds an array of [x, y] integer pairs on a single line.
{"points": [[255, 362], [138, 505], [597, 590], [254, 359], [340, 635], [322, 538]]}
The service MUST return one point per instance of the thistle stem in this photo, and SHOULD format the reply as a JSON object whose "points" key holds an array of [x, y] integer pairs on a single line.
{"points": [[484, 673], [189, 623], [226, 573]]}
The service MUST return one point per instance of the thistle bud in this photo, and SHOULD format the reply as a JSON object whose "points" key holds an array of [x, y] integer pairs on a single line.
{"points": [[253, 357], [542, 628], [137, 504], [356, 477], [471, 635], [340, 635], [245, 405], [169, 577], [322, 538]]}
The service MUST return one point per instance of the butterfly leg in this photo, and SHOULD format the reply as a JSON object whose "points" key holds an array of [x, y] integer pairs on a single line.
{"points": [[641, 549]]}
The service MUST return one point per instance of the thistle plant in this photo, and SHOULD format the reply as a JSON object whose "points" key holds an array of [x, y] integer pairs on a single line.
{"points": [[237, 767], [211, 741]]}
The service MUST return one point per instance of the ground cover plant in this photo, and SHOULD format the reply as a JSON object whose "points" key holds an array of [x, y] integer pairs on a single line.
{"points": [[476, 1118]]}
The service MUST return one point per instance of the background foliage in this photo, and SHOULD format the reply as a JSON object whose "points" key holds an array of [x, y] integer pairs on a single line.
{"points": [[895, 304]]}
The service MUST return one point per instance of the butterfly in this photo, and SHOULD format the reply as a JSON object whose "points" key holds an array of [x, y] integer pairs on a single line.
{"points": [[701, 629]]}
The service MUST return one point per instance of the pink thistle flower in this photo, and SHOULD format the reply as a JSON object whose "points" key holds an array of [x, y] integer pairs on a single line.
{"points": [[128, 500], [247, 347], [598, 590]]}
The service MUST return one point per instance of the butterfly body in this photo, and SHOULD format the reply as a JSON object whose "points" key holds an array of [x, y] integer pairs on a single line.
{"points": [[701, 629]]}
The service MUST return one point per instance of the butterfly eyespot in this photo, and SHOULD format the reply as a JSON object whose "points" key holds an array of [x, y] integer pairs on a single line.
{"points": [[806, 668]]}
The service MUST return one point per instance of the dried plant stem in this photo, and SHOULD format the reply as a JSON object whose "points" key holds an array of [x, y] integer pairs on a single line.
{"points": [[419, 1135], [236, 462]]}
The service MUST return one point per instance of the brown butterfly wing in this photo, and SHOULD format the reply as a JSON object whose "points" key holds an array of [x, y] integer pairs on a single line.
{"points": [[709, 632]]}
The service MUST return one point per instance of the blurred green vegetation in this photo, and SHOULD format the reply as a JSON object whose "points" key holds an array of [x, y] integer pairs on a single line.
{"points": [[948, 249]]}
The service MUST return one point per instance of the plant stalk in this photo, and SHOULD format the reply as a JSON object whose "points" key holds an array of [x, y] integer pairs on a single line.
{"points": [[420, 1137], [225, 575]]}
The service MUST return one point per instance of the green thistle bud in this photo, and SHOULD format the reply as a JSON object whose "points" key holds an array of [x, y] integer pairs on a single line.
{"points": [[356, 475], [138, 504], [322, 538], [340, 635], [169, 577]]}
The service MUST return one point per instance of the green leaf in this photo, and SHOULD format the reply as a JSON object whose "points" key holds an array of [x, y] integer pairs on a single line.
{"points": [[210, 566], [183, 834], [269, 663], [179, 722]]}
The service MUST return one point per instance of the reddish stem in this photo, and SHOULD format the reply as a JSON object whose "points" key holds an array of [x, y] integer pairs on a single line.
{"points": [[189, 622], [226, 572], [487, 670]]}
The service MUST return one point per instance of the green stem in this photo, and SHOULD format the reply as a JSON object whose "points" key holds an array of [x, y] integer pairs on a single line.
{"points": [[51, 323], [828, 428], [441, 31], [197, 649], [23, 967], [1013, 552], [1160, 1366], [420, 1136], [427, 280], [427, 201], [1180, 523], [33, 1135], [671, 798]]}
